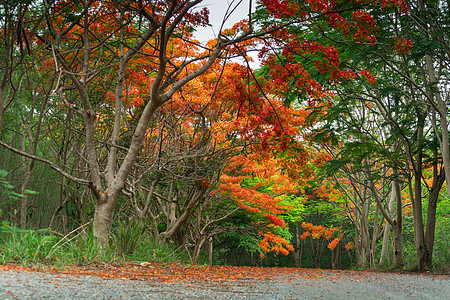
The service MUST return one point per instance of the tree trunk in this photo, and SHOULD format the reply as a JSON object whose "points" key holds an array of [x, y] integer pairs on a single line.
{"points": [[445, 148], [387, 229], [431, 225], [210, 249], [175, 227], [103, 217], [419, 237], [198, 247], [299, 249], [438, 181], [2, 106], [375, 233], [398, 245], [397, 228], [365, 234], [335, 254], [24, 200], [360, 254]]}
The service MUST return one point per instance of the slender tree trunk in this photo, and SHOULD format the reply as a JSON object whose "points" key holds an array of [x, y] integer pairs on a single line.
{"points": [[397, 228], [2, 107], [6, 72], [27, 169], [24, 199], [360, 254], [445, 148], [210, 249], [299, 249], [198, 247], [387, 229], [176, 226], [419, 237], [375, 233], [431, 225], [335, 255], [398, 245], [438, 181], [365, 234]]}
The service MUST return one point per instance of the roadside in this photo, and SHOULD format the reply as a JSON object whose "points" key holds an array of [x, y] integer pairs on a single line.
{"points": [[153, 281]]}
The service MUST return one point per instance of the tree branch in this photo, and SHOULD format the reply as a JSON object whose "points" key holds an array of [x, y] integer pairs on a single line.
{"points": [[49, 163]]}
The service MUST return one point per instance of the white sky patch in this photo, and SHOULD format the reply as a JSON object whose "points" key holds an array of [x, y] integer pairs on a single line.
{"points": [[237, 10], [217, 13]]}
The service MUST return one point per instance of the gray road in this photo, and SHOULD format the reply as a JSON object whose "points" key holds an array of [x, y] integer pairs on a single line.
{"points": [[308, 285]]}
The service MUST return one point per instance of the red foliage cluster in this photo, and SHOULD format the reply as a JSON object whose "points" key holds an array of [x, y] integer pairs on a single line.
{"points": [[275, 243], [282, 75], [321, 5], [318, 231], [260, 119], [362, 23], [350, 245], [364, 19], [199, 18], [338, 22], [365, 26], [401, 45], [281, 8], [400, 4], [369, 75]]}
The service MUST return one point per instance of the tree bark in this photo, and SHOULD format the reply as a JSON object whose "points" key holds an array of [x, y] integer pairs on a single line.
{"points": [[299, 249], [2, 107], [387, 229], [438, 181], [375, 233], [419, 237], [335, 255], [198, 248], [397, 226], [210, 249], [175, 226], [103, 216]]}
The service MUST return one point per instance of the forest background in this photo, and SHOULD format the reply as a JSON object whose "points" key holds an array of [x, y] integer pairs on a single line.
{"points": [[123, 137]]}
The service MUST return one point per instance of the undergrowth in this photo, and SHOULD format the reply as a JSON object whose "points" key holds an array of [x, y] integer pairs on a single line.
{"points": [[129, 242], [47, 247]]}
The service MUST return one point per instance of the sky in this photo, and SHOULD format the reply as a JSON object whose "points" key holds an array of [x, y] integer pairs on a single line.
{"points": [[217, 10]]}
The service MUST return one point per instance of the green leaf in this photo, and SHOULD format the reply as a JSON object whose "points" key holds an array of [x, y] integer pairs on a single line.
{"points": [[31, 192]]}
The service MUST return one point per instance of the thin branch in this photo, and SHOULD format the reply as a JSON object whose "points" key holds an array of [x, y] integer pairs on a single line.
{"points": [[49, 163]]}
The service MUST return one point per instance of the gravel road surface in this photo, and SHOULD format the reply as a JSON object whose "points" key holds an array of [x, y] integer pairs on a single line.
{"points": [[287, 284]]}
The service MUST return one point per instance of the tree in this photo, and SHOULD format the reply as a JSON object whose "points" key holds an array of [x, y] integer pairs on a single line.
{"points": [[92, 44], [379, 43]]}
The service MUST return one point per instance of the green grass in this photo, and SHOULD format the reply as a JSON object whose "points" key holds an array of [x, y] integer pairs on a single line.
{"points": [[128, 243], [133, 242]]}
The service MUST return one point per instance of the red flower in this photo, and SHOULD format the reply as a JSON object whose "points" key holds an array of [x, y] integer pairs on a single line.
{"points": [[369, 75], [401, 45]]}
